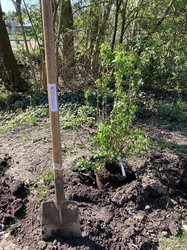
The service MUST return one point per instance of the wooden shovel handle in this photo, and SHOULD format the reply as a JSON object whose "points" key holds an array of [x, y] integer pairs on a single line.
{"points": [[51, 69]]}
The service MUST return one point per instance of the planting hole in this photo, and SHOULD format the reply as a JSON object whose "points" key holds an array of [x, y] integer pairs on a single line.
{"points": [[107, 176]]}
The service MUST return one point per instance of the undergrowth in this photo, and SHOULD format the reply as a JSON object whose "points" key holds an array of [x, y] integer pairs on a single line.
{"points": [[172, 112], [30, 117], [14, 102]]}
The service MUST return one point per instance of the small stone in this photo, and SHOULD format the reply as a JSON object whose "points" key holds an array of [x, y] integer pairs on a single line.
{"points": [[55, 242], [59, 245], [42, 245], [184, 226], [165, 233], [147, 207], [27, 181]]}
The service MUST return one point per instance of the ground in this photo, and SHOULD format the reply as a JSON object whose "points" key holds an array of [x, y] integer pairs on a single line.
{"points": [[149, 212]]}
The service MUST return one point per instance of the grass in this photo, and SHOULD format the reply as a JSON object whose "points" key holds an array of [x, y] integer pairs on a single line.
{"points": [[30, 117], [178, 242], [19, 121]]}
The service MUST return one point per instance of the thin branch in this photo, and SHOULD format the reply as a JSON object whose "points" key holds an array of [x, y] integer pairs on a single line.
{"points": [[146, 38]]}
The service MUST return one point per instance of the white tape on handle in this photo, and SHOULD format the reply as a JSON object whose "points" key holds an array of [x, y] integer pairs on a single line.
{"points": [[53, 97], [58, 166]]}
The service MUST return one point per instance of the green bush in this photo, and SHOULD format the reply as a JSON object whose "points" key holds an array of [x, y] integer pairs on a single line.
{"points": [[116, 134]]}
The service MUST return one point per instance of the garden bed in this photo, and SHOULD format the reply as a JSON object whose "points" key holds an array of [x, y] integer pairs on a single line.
{"points": [[131, 216]]}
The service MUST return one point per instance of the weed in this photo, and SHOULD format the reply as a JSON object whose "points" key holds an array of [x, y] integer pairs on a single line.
{"points": [[3, 97], [31, 120], [25, 138], [42, 191], [85, 165], [41, 185], [43, 138], [165, 145], [47, 176]]}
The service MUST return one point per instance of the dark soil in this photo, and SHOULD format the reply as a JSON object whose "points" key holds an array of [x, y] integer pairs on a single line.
{"points": [[127, 217], [12, 195]]}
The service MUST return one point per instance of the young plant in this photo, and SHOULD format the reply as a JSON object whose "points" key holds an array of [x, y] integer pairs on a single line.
{"points": [[116, 136]]}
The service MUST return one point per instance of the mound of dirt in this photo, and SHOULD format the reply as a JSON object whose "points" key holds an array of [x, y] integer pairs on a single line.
{"points": [[127, 217]]}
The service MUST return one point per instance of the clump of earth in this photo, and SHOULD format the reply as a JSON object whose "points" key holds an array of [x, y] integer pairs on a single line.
{"points": [[12, 195], [130, 216]]}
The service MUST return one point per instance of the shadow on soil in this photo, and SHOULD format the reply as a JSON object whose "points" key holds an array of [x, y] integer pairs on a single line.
{"points": [[177, 148]]}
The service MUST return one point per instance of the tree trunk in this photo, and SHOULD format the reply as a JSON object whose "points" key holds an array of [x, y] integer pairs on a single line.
{"points": [[100, 38], [123, 15], [68, 52], [18, 9], [118, 5], [10, 75]]}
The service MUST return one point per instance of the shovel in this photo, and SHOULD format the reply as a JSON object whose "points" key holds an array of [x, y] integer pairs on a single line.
{"points": [[62, 217]]}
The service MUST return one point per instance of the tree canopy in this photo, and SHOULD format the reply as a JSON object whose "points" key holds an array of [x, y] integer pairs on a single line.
{"points": [[153, 31]]}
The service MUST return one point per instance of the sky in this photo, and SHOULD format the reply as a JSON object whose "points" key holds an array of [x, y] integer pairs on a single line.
{"points": [[7, 5]]}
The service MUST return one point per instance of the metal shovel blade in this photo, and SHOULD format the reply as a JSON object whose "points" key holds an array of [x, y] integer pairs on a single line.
{"points": [[60, 222]]}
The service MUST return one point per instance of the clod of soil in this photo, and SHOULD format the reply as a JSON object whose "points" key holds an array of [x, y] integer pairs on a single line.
{"points": [[12, 195], [4, 163]]}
